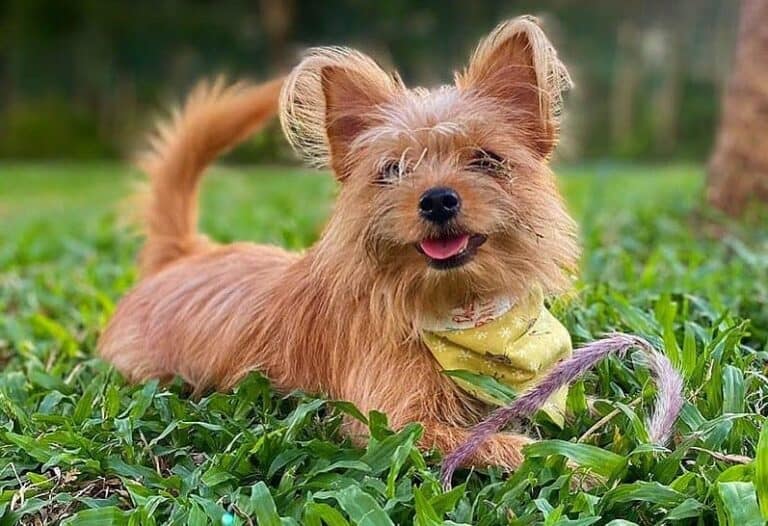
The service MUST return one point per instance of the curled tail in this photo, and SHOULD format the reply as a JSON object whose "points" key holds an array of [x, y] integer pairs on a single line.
{"points": [[214, 118]]}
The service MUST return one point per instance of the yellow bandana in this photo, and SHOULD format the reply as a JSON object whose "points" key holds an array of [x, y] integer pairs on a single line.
{"points": [[515, 343]]}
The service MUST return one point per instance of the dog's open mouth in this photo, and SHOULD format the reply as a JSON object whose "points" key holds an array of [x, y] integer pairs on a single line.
{"points": [[450, 251]]}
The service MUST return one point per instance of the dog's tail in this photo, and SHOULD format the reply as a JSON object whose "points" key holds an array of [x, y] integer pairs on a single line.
{"points": [[214, 118]]}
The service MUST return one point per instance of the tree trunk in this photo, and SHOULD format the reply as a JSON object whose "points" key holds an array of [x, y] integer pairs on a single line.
{"points": [[738, 171]]}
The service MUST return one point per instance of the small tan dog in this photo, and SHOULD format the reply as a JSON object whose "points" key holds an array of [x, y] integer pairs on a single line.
{"points": [[446, 199]]}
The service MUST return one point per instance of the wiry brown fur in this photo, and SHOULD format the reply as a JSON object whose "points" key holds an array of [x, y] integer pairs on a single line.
{"points": [[343, 319]]}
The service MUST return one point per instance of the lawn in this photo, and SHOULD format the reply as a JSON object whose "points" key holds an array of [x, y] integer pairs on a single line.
{"points": [[77, 444]]}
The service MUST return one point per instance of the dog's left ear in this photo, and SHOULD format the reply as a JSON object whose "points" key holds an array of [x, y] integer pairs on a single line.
{"points": [[518, 67], [329, 100]]}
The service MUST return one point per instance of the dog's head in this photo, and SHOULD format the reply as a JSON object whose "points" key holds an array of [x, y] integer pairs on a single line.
{"points": [[446, 192]]}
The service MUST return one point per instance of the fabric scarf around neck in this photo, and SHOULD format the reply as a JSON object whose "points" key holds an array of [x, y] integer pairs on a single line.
{"points": [[515, 342]]}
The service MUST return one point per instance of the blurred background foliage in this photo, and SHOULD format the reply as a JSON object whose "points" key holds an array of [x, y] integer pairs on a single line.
{"points": [[82, 79]]}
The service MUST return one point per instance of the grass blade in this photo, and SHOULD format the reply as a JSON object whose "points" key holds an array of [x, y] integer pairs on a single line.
{"points": [[733, 390], [263, 506], [761, 471], [597, 460], [737, 504], [108, 516], [362, 509]]}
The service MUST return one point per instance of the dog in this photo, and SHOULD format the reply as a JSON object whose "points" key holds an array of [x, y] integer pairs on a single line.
{"points": [[446, 199]]}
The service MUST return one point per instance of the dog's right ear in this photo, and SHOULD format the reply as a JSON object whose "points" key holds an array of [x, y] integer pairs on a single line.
{"points": [[329, 100]]}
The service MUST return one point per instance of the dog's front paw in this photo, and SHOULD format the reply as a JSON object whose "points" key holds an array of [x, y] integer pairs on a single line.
{"points": [[502, 449]]}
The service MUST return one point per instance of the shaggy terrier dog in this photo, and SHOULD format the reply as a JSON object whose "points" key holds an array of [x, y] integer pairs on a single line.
{"points": [[446, 201]]}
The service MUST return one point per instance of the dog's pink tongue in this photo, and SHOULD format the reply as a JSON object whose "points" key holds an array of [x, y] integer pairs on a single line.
{"points": [[444, 248]]}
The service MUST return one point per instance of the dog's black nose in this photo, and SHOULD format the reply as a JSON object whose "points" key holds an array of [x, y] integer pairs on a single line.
{"points": [[439, 205]]}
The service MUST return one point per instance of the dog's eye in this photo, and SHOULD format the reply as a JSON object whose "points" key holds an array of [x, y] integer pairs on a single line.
{"points": [[389, 172], [487, 162]]}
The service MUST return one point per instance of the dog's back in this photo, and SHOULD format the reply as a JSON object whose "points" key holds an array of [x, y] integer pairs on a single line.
{"points": [[178, 320], [193, 305]]}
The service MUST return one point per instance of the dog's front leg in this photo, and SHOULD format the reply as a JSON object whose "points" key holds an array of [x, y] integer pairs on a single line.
{"points": [[501, 449], [418, 391]]}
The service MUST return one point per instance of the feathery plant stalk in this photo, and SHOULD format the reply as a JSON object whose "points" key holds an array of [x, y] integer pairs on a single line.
{"points": [[668, 402]]}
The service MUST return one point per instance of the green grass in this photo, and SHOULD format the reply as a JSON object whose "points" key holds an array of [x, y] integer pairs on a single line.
{"points": [[78, 444]]}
